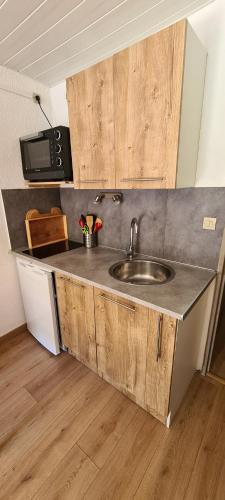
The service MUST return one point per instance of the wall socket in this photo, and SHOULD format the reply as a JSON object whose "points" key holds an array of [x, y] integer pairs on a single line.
{"points": [[209, 223]]}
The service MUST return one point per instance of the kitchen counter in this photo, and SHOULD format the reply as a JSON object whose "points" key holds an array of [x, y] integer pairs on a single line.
{"points": [[175, 298]]}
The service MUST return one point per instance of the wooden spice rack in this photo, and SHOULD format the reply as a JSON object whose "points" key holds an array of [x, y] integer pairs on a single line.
{"points": [[46, 228]]}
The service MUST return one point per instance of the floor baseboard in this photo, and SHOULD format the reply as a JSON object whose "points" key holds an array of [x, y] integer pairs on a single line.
{"points": [[216, 378], [15, 331]]}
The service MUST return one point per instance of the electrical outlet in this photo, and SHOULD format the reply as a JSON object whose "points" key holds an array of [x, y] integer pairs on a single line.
{"points": [[209, 223], [36, 98]]}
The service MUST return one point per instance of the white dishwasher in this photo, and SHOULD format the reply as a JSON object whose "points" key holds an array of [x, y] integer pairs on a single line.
{"points": [[39, 303]]}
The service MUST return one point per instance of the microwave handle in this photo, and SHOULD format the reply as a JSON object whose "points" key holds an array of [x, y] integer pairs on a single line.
{"points": [[33, 136]]}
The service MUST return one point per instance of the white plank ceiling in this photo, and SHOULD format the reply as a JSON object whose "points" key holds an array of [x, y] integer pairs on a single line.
{"points": [[49, 40]]}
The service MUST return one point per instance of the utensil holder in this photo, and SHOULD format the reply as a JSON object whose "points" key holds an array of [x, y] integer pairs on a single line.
{"points": [[90, 240]]}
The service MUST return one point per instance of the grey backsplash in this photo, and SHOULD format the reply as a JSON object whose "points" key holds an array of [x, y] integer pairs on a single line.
{"points": [[18, 201], [170, 221]]}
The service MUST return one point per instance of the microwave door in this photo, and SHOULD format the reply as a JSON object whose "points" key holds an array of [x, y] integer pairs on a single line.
{"points": [[37, 155]]}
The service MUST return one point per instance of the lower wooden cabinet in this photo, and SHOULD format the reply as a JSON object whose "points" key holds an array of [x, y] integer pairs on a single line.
{"points": [[159, 363], [135, 349], [129, 345], [121, 335], [76, 316]]}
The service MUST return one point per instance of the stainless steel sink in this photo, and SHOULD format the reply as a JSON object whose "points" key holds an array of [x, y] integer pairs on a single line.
{"points": [[141, 272]]}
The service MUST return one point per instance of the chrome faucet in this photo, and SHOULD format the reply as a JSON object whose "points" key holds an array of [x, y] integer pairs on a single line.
{"points": [[133, 227]]}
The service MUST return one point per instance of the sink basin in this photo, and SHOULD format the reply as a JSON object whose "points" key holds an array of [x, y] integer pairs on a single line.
{"points": [[141, 272]]}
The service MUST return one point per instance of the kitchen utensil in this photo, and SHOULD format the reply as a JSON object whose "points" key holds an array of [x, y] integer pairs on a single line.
{"points": [[90, 220], [81, 223], [85, 229], [99, 221], [97, 227], [83, 218]]}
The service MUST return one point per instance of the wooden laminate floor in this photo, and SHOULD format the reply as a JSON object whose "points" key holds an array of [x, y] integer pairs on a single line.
{"points": [[66, 434]]}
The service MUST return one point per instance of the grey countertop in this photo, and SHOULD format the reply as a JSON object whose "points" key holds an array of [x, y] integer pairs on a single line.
{"points": [[175, 298]]}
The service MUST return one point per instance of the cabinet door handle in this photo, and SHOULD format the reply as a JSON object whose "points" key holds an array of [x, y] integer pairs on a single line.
{"points": [[71, 281], [130, 308], [159, 337], [143, 179], [91, 181]]}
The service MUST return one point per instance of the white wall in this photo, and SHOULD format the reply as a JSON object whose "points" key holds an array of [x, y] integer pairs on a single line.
{"points": [[59, 104], [11, 307], [18, 116], [209, 24]]}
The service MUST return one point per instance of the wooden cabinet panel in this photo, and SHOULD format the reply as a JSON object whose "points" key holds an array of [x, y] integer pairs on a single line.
{"points": [[147, 100], [131, 346], [76, 314], [91, 117], [160, 353], [121, 336], [135, 117]]}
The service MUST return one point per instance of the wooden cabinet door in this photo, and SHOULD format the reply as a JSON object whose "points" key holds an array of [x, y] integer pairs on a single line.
{"points": [[76, 315], [147, 101], [91, 118], [160, 353], [121, 336]]}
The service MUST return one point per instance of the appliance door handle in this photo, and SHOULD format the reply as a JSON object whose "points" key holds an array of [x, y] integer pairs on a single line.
{"points": [[34, 269], [41, 272], [23, 264], [32, 137], [130, 308]]}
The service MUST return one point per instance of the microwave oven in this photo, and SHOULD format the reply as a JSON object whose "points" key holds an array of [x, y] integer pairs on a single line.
{"points": [[46, 155]]}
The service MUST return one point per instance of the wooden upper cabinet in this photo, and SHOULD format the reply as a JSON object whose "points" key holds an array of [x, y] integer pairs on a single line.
{"points": [[135, 117], [77, 321], [148, 88], [121, 336], [91, 118]]}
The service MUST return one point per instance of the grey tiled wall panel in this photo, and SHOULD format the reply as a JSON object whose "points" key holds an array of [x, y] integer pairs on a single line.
{"points": [[18, 201], [185, 238], [148, 207], [170, 221]]}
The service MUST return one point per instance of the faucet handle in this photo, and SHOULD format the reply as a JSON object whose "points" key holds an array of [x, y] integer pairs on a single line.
{"points": [[134, 223]]}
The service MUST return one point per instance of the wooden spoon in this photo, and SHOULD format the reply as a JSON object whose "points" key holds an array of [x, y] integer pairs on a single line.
{"points": [[90, 220]]}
